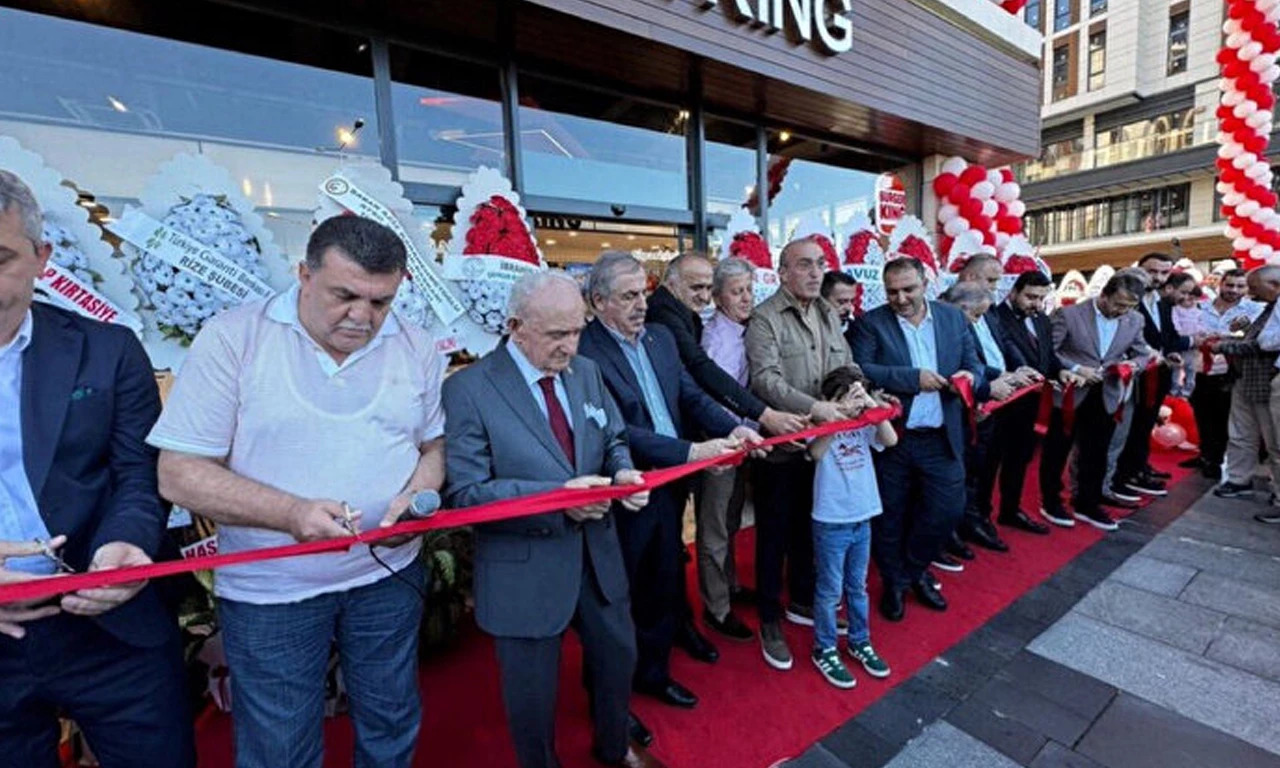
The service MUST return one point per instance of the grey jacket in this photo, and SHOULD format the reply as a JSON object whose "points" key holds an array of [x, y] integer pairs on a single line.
{"points": [[1075, 340]]}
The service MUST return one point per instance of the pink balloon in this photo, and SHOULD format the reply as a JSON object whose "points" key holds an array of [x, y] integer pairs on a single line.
{"points": [[1168, 435]]}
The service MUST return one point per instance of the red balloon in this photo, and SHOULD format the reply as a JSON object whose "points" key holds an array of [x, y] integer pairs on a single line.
{"points": [[971, 209], [943, 184], [1270, 199], [1231, 124], [1002, 210], [1226, 56], [981, 223], [1222, 112], [1232, 176], [1243, 135], [1256, 144], [1247, 80], [1183, 416], [1252, 229], [1238, 10], [1266, 98], [988, 238], [973, 175], [1235, 68], [944, 244], [1010, 225], [959, 193], [1006, 175], [1251, 20], [1228, 212]]}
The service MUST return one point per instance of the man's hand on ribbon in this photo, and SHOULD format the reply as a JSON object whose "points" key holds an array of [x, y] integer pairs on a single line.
{"points": [[636, 501], [14, 615], [748, 437], [92, 602], [960, 375], [781, 422], [1088, 375], [317, 519], [932, 381], [591, 511], [1003, 386]]}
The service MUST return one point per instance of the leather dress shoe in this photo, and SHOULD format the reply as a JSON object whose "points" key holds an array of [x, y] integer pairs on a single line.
{"points": [[732, 627], [638, 731], [1020, 521], [893, 604], [957, 548], [984, 534], [671, 693], [931, 597], [1109, 500], [1156, 474], [636, 757], [692, 642]]}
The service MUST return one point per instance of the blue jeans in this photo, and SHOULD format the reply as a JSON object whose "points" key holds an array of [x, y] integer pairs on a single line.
{"points": [[279, 655], [841, 552]]}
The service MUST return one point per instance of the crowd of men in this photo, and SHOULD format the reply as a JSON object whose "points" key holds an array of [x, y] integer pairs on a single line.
{"points": [[318, 412]]}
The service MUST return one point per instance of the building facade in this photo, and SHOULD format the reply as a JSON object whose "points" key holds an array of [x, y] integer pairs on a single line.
{"points": [[1126, 165]]}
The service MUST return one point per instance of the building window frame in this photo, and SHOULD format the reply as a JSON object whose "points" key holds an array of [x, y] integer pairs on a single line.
{"points": [[1179, 40], [1097, 58]]}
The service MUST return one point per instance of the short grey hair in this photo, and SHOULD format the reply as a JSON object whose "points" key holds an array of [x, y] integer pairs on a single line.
{"points": [[975, 262], [967, 295], [15, 193], [675, 266], [727, 270], [525, 291], [604, 273], [1137, 272]]}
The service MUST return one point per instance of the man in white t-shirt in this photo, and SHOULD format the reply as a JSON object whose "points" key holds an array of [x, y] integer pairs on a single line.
{"points": [[299, 419]]}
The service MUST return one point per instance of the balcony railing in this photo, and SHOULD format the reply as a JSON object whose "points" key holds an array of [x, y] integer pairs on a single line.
{"points": [[1120, 152]]}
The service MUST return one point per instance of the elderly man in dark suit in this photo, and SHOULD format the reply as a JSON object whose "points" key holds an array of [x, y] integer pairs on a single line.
{"points": [[1098, 340], [532, 416], [912, 348], [663, 407], [77, 398]]}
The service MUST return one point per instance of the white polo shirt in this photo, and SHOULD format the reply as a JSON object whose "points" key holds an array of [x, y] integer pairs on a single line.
{"points": [[257, 390]]}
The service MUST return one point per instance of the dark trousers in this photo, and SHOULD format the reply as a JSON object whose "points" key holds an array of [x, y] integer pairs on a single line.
{"points": [[1091, 436], [652, 552], [131, 703], [1211, 402], [1137, 447], [784, 533], [922, 492], [1012, 448], [980, 454], [530, 670]]}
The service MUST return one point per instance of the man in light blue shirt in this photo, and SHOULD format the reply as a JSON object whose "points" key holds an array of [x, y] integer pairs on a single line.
{"points": [[19, 518]]}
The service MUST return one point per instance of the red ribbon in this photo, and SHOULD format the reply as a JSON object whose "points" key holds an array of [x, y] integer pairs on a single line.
{"points": [[963, 386], [1125, 372], [506, 509], [1206, 357], [1150, 383], [991, 406], [1045, 412]]}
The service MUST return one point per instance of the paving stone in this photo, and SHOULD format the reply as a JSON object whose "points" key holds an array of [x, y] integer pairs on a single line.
{"points": [[1184, 626], [1231, 562], [945, 745], [1054, 755], [1249, 646], [856, 746], [996, 641], [1078, 693], [817, 757], [1251, 601], [1045, 603], [923, 699], [1153, 575], [1246, 534], [1133, 733], [955, 681], [997, 729], [1017, 625], [1202, 689], [891, 721], [1033, 710]]}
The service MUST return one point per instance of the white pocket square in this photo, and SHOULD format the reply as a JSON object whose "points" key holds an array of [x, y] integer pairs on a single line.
{"points": [[596, 414]]}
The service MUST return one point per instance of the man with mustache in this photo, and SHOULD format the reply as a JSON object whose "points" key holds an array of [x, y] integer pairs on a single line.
{"points": [[305, 417]]}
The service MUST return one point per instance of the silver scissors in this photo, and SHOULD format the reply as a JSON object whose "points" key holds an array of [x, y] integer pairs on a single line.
{"points": [[347, 520], [50, 554]]}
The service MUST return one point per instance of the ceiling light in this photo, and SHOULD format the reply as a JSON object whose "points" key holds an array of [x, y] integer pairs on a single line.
{"points": [[785, 136], [551, 242], [605, 244], [117, 104], [573, 234], [631, 237], [346, 136]]}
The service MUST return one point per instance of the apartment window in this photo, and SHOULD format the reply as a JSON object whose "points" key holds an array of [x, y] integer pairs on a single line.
{"points": [[1179, 24], [1097, 59], [1159, 135], [1097, 7], [1061, 71], [1064, 14], [1033, 14], [1150, 210]]}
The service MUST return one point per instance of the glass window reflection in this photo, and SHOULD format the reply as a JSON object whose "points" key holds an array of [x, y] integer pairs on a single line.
{"points": [[818, 185], [1147, 211], [730, 162]]}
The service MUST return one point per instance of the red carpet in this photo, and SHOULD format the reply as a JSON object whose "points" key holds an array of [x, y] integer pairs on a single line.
{"points": [[749, 715]]}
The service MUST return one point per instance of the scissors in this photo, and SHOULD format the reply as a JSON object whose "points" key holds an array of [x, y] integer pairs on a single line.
{"points": [[348, 521], [51, 555]]}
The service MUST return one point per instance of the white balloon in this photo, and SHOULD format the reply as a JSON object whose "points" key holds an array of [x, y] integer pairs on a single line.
{"points": [[1250, 51], [1247, 208], [956, 227], [1233, 98], [1238, 40], [1244, 109], [1231, 27], [1018, 208], [1007, 193], [1231, 232], [954, 165], [990, 208], [1244, 160], [1222, 187], [1272, 74], [1260, 63], [1273, 15], [1266, 5], [995, 177], [1002, 240], [947, 212], [983, 190], [1233, 198], [1261, 216], [1261, 251], [1243, 243], [1230, 151], [1257, 171]]}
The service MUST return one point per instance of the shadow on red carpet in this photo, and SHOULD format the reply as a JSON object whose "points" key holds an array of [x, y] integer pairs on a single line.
{"points": [[749, 715]]}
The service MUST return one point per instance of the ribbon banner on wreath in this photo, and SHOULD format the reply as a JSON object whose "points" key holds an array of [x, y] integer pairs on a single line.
{"points": [[62, 288]]}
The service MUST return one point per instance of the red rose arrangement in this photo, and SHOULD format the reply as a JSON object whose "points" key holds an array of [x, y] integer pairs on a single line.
{"points": [[498, 230], [829, 255], [1016, 265], [751, 247], [918, 249], [856, 253]]}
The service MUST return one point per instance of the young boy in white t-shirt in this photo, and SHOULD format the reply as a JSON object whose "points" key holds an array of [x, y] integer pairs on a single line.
{"points": [[845, 498]]}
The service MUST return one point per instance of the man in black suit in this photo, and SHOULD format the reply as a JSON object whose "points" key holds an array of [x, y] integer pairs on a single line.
{"points": [[1028, 329], [533, 416], [912, 348], [77, 398], [1133, 472], [661, 404], [840, 289]]}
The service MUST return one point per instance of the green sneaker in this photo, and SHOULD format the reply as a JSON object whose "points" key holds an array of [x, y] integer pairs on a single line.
{"points": [[870, 660], [828, 662]]}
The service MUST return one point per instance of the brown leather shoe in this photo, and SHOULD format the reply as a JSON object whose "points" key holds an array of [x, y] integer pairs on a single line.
{"points": [[636, 757]]}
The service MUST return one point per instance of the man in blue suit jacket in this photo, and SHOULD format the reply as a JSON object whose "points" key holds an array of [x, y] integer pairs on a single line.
{"points": [[911, 348], [662, 405], [77, 398]]}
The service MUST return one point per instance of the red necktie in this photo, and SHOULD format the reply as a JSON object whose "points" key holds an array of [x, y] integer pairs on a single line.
{"points": [[555, 414]]}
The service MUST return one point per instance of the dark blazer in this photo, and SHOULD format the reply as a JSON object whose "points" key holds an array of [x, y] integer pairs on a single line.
{"points": [[692, 410], [880, 348], [1013, 359], [89, 398], [1166, 339], [499, 445], [1035, 351], [686, 327]]}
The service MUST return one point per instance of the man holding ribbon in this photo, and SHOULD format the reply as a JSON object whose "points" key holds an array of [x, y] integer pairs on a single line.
{"points": [[310, 416], [77, 397]]}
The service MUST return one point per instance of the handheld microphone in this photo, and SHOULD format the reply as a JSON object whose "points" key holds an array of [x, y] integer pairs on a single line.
{"points": [[424, 504]]}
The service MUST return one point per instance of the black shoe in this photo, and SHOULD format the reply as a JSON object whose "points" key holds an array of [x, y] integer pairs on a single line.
{"points": [[948, 564], [1230, 490], [1115, 502], [1058, 516], [893, 603], [691, 641], [1118, 491], [743, 596], [1146, 487], [933, 580], [732, 627], [1195, 462], [638, 731], [984, 534], [931, 597], [957, 549], [1097, 518], [671, 693], [1271, 519], [1019, 520], [1156, 474]]}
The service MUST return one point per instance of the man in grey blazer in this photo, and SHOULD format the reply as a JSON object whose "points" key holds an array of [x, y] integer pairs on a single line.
{"points": [[532, 416], [1095, 340]]}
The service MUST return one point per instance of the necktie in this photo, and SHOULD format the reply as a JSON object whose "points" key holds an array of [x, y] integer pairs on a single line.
{"points": [[555, 414]]}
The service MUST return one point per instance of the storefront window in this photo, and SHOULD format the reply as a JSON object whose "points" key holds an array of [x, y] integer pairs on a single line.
{"points": [[588, 145], [823, 190], [448, 117], [730, 163], [1141, 212]]}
